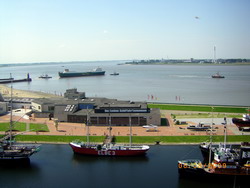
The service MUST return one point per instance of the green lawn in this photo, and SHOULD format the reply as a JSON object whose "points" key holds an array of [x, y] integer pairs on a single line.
{"points": [[19, 126], [135, 139], [204, 115], [221, 109], [65, 139]]}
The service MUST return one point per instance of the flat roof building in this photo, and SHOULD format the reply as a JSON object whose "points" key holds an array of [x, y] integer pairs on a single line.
{"points": [[99, 111]]}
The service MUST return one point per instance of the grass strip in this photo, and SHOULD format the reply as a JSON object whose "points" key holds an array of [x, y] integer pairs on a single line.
{"points": [[135, 139], [200, 108], [182, 139], [19, 126], [54, 138], [203, 115]]}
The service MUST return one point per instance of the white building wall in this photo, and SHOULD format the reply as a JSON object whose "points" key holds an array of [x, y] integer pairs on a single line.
{"points": [[36, 107], [3, 107]]}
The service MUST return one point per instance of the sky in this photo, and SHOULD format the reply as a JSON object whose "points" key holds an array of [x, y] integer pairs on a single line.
{"points": [[96, 30]]}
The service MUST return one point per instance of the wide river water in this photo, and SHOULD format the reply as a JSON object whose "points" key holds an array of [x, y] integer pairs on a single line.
{"points": [[190, 84], [56, 166]]}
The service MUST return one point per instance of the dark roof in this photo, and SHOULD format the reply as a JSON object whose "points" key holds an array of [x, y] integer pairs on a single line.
{"points": [[92, 113]]}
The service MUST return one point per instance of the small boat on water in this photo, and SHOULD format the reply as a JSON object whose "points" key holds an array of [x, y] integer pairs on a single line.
{"points": [[95, 72], [205, 148], [217, 75], [114, 74], [45, 76]]}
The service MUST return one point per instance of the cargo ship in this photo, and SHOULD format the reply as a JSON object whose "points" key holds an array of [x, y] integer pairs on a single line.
{"points": [[12, 80], [95, 72]]}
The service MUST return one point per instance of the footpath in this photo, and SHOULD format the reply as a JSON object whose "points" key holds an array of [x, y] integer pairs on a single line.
{"points": [[79, 129]]}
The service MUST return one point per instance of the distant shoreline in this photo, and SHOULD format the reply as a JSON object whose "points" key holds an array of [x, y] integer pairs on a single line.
{"points": [[191, 64]]}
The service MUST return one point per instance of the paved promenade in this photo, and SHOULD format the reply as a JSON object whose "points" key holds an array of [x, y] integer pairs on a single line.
{"points": [[80, 129]]}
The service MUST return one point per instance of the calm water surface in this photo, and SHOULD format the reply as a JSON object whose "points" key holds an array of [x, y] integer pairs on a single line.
{"points": [[166, 83], [57, 166]]}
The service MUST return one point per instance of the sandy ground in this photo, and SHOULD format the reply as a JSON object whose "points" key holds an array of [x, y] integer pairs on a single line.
{"points": [[6, 92], [81, 130]]}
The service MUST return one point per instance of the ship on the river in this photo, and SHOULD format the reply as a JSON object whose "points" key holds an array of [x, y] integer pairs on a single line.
{"points": [[45, 76], [95, 72], [217, 75]]}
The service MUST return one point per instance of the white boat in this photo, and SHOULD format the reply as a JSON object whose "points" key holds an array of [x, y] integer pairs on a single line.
{"points": [[45, 76], [114, 74]]}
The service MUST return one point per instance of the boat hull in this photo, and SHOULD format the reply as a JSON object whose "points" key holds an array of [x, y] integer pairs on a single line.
{"points": [[194, 173], [18, 151], [107, 152], [220, 169], [218, 76], [15, 157], [241, 123], [80, 74]]}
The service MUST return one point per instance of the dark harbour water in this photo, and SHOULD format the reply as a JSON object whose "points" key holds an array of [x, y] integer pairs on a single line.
{"points": [[57, 166]]}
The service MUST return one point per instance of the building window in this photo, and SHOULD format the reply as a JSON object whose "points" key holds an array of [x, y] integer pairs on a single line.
{"points": [[51, 108]]}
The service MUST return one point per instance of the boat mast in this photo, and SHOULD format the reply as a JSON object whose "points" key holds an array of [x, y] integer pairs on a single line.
{"points": [[87, 124], [109, 126], [130, 130], [225, 132], [210, 148]]}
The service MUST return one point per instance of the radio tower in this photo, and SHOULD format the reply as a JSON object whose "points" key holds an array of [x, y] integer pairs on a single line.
{"points": [[215, 61]]}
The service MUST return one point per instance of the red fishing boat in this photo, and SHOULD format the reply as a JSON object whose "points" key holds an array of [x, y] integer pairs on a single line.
{"points": [[108, 148]]}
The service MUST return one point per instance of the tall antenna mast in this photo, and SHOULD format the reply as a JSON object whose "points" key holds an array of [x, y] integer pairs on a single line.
{"points": [[215, 61]]}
